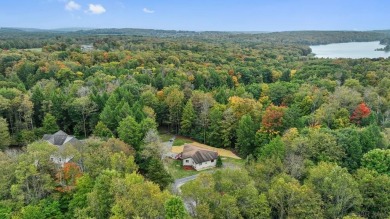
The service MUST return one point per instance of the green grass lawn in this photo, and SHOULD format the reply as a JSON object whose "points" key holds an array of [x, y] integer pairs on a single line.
{"points": [[165, 136], [176, 170], [180, 141]]}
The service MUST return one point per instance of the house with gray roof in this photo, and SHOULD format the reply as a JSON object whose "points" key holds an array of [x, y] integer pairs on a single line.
{"points": [[61, 139], [198, 158]]}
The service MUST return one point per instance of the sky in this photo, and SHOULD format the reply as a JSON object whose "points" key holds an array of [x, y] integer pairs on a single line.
{"points": [[198, 15]]}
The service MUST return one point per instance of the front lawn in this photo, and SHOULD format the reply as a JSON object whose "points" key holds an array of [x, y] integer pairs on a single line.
{"points": [[175, 168]]}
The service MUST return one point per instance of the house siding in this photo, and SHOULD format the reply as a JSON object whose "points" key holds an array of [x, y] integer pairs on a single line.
{"points": [[200, 166], [188, 162]]}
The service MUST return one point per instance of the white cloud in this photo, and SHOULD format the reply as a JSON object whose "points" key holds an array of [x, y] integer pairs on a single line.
{"points": [[72, 6], [96, 9], [148, 11]]}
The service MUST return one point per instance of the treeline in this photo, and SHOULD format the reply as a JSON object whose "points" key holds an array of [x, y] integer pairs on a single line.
{"points": [[315, 132], [11, 38]]}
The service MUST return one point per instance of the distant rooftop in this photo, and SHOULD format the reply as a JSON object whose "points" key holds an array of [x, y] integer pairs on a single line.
{"points": [[60, 138]]}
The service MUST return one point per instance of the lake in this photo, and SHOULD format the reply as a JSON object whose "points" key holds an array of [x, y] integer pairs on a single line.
{"points": [[350, 50]]}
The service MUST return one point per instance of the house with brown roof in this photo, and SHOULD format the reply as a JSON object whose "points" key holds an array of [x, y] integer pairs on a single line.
{"points": [[198, 158], [61, 139]]}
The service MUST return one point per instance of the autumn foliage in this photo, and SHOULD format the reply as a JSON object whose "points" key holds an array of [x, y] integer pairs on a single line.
{"points": [[362, 111], [67, 176], [272, 120]]}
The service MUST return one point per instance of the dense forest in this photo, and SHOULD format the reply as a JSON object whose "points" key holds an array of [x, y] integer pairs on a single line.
{"points": [[314, 133]]}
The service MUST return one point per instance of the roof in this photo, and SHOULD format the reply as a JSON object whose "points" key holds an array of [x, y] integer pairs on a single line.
{"points": [[199, 155], [60, 138]]}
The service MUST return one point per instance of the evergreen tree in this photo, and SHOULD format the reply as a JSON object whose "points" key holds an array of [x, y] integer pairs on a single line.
{"points": [[188, 118], [228, 126], [50, 124], [246, 132], [129, 131], [156, 172], [109, 114], [215, 129]]}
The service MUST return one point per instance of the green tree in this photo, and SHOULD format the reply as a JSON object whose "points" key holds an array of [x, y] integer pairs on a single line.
{"points": [[215, 129], [174, 99], [174, 208], [33, 179], [156, 173], [263, 171], [246, 132], [349, 140], [49, 124], [228, 128], [188, 118], [109, 114], [275, 149], [7, 171], [4, 134], [338, 189], [291, 200], [378, 160], [86, 107], [371, 138], [32, 212], [240, 185], [323, 146], [375, 189], [129, 131], [227, 207], [79, 201], [101, 199], [134, 197], [101, 130]]}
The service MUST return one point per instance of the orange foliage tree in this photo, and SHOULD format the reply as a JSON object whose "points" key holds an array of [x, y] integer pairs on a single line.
{"points": [[272, 119], [67, 176]]}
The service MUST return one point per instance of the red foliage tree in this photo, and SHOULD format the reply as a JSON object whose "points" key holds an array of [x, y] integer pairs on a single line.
{"points": [[272, 119], [362, 111]]}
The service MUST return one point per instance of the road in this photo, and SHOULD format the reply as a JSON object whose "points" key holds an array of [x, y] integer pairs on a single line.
{"points": [[182, 181]]}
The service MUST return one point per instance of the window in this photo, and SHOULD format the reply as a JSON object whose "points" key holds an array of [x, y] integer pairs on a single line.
{"points": [[212, 161], [187, 161]]}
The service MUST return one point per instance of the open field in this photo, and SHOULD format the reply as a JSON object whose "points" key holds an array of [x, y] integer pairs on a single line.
{"points": [[221, 152]]}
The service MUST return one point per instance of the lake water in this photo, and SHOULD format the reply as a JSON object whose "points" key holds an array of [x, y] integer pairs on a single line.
{"points": [[350, 50]]}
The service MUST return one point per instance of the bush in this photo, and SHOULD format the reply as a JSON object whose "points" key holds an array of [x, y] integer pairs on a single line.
{"points": [[219, 162]]}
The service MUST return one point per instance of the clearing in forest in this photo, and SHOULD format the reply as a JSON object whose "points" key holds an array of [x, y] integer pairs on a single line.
{"points": [[221, 152]]}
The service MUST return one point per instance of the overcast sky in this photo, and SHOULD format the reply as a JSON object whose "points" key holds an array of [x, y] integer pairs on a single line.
{"points": [[199, 15]]}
